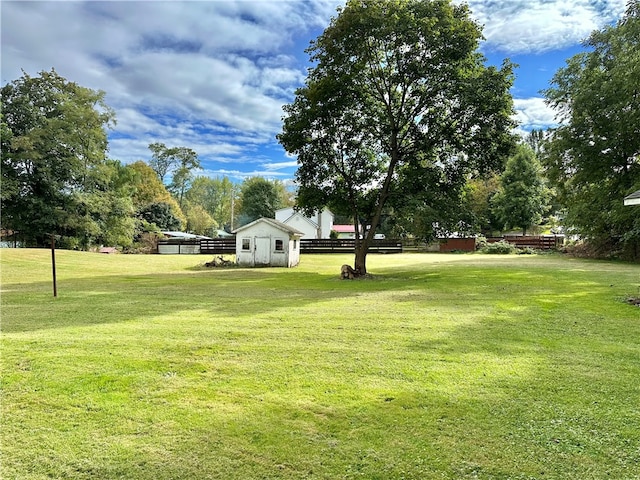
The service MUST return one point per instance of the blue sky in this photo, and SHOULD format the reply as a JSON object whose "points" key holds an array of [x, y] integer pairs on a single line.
{"points": [[213, 76]]}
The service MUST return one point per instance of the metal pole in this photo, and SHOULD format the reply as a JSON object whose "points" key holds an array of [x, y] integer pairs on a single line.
{"points": [[53, 264]]}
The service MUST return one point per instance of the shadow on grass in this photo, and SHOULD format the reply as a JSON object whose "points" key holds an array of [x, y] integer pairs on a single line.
{"points": [[236, 292], [506, 389]]}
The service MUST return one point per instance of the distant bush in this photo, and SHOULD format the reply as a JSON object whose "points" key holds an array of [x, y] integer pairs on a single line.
{"points": [[502, 247], [481, 242]]}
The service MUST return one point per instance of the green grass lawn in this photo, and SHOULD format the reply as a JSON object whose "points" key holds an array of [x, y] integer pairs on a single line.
{"points": [[439, 367]]}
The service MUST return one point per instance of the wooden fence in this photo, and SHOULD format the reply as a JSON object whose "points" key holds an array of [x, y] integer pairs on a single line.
{"points": [[218, 246], [326, 245], [179, 246], [537, 242], [227, 245]]}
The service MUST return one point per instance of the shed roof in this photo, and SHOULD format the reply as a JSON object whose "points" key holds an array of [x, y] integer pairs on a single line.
{"points": [[633, 199], [274, 223]]}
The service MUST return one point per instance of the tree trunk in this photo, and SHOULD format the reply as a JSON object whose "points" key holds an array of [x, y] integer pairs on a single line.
{"points": [[360, 265]]}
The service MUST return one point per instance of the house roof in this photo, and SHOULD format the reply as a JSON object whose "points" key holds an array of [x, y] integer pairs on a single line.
{"points": [[274, 223], [325, 209], [633, 199], [184, 235], [299, 215]]}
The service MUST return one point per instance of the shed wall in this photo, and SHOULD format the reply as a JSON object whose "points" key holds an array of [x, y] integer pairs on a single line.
{"points": [[261, 236]]}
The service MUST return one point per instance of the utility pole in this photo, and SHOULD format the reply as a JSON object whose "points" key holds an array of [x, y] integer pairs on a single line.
{"points": [[53, 264], [232, 204]]}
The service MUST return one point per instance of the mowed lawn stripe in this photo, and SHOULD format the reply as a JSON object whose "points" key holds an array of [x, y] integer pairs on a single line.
{"points": [[439, 366]]}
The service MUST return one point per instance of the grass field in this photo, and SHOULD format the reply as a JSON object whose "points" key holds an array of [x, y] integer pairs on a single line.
{"points": [[439, 367]]}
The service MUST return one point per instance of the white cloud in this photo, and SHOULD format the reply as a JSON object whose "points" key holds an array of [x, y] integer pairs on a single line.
{"points": [[213, 75], [272, 167], [210, 75], [534, 113], [526, 26]]}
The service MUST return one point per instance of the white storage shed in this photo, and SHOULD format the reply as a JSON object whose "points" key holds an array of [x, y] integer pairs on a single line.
{"points": [[267, 243]]}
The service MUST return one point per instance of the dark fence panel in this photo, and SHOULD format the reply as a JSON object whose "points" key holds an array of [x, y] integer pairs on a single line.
{"points": [[227, 245], [538, 242], [457, 245], [342, 245], [218, 246]]}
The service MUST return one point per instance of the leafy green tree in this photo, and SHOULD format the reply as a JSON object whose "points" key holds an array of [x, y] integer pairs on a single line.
{"points": [[398, 110], [161, 215], [161, 160], [113, 210], [535, 139], [478, 194], [183, 175], [199, 221], [216, 195], [147, 189], [523, 195], [54, 141], [592, 158], [259, 197], [180, 161]]}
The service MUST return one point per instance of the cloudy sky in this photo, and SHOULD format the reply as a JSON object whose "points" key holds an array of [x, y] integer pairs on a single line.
{"points": [[213, 75]]}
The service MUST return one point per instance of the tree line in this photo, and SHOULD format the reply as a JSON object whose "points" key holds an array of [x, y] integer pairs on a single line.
{"points": [[401, 121], [400, 128], [58, 180]]}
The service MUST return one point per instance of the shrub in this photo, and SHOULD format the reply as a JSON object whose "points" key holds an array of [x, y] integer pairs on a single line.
{"points": [[481, 242], [502, 247]]}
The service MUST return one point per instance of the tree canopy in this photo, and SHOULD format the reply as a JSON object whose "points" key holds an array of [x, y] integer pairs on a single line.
{"points": [[180, 161], [217, 197], [260, 197], [398, 110], [523, 195], [593, 157], [54, 144]]}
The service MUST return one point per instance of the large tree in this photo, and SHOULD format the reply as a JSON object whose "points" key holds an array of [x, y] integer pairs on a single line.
{"points": [[523, 196], [478, 194], [399, 108], [216, 196], [593, 157], [260, 197], [53, 144], [148, 192], [180, 161]]}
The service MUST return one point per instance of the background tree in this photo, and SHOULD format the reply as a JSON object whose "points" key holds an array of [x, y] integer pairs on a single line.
{"points": [[161, 160], [54, 145], [199, 221], [535, 139], [259, 197], [113, 211], [398, 110], [478, 194], [523, 195], [592, 158], [216, 196], [187, 161], [180, 161], [147, 189], [160, 215]]}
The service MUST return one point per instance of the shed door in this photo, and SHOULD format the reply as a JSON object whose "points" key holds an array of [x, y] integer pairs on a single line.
{"points": [[262, 252]]}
